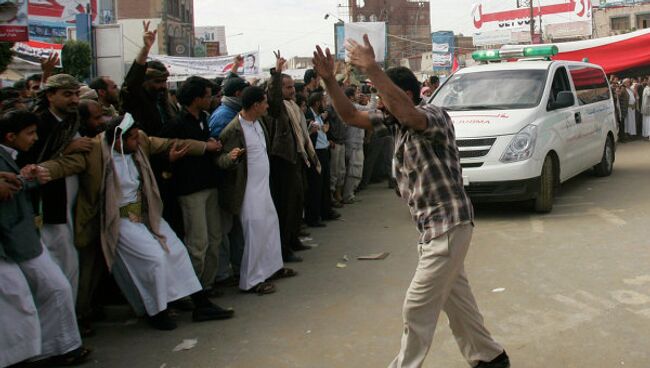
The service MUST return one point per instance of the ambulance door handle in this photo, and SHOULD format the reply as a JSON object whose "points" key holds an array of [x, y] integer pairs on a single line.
{"points": [[578, 118]]}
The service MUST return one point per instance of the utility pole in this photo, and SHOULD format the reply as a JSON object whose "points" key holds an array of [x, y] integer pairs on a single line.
{"points": [[532, 21]]}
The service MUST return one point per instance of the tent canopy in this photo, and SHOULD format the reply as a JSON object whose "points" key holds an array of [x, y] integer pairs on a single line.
{"points": [[615, 54]]}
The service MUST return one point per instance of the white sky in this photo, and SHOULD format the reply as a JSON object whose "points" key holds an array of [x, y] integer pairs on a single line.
{"points": [[296, 26]]}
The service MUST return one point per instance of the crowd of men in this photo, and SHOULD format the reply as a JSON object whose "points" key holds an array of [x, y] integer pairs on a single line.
{"points": [[170, 194], [632, 102]]}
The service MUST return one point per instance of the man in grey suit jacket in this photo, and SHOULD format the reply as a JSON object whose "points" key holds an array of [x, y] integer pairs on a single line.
{"points": [[38, 316]]}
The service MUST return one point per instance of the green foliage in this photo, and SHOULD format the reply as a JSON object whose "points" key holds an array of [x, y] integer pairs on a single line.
{"points": [[5, 55], [77, 59]]}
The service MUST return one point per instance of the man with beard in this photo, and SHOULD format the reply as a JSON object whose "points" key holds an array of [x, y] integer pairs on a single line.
{"points": [[107, 94], [92, 119], [144, 93], [291, 151], [58, 132]]}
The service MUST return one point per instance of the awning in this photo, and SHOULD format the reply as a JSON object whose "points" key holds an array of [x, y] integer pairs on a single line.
{"points": [[614, 54]]}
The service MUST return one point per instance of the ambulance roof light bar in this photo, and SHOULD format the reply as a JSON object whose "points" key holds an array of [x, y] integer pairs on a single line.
{"points": [[515, 52]]}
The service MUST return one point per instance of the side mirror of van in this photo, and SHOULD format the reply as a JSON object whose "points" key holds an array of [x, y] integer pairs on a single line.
{"points": [[564, 99]]}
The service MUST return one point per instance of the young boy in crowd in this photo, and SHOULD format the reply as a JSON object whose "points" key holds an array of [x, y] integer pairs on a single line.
{"points": [[38, 315]]}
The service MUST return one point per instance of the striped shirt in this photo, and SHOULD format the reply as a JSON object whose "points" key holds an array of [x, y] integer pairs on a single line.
{"points": [[429, 177]]}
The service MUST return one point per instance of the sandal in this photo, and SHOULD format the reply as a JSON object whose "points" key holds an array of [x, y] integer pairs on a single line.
{"points": [[262, 288], [74, 357], [284, 273]]}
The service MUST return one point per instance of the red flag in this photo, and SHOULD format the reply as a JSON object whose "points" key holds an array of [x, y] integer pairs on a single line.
{"points": [[455, 65]]}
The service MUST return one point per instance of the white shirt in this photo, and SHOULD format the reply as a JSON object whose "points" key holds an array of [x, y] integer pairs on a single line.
{"points": [[129, 177]]}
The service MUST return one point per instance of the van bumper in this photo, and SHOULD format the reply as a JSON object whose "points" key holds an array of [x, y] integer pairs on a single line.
{"points": [[504, 191]]}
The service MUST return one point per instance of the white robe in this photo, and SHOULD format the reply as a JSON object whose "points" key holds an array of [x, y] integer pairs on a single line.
{"points": [[59, 238], [630, 119], [259, 218], [148, 275], [645, 110], [37, 311]]}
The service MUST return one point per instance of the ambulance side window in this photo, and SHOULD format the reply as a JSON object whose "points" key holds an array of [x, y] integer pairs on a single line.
{"points": [[560, 83]]}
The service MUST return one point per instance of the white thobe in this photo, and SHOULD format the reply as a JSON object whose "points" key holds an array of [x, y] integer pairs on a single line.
{"points": [[143, 266], [259, 218], [38, 317], [630, 119]]}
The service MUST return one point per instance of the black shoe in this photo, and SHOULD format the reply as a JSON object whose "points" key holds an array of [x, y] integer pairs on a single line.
{"points": [[304, 233], [333, 215], [298, 246], [501, 361], [77, 356], [316, 224], [211, 313], [184, 305], [291, 258], [162, 321]]}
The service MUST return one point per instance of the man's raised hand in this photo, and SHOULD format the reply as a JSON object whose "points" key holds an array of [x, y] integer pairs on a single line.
{"points": [[48, 65], [324, 63], [149, 37], [279, 61], [361, 56]]}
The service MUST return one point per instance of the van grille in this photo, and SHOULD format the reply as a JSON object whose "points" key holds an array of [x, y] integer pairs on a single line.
{"points": [[474, 148]]}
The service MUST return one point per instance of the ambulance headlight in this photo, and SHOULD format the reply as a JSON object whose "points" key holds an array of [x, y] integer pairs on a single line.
{"points": [[522, 145]]}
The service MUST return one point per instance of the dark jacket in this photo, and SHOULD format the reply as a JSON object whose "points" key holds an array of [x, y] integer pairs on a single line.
{"points": [[624, 101], [309, 117], [233, 185], [19, 240], [151, 112], [191, 174], [278, 125], [336, 133], [53, 137]]}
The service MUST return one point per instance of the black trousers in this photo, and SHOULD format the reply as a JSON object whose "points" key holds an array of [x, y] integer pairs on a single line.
{"points": [[318, 203], [287, 188]]}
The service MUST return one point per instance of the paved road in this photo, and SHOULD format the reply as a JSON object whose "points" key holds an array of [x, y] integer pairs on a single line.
{"points": [[577, 289]]}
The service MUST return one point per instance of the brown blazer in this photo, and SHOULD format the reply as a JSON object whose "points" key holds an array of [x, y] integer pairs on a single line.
{"points": [[233, 185], [90, 168]]}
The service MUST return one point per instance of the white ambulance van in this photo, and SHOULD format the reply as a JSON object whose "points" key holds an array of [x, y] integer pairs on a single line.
{"points": [[524, 127]]}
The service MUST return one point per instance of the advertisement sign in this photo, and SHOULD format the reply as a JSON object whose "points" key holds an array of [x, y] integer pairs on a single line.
{"points": [[443, 50], [13, 21], [514, 15], [181, 67], [49, 19], [33, 52], [339, 41], [376, 32]]}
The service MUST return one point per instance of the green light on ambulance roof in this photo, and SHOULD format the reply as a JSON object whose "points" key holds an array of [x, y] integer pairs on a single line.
{"points": [[540, 51], [486, 55], [510, 52]]}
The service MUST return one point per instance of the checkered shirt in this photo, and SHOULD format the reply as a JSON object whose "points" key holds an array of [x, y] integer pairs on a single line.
{"points": [[429, 177]]}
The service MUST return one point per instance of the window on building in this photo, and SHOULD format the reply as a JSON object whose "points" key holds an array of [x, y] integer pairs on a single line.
{"points": [[620, 23], [643, 21]]}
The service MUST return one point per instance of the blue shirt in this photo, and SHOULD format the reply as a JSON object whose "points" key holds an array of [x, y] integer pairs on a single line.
{"points": [[321, 140], [220, 118]]}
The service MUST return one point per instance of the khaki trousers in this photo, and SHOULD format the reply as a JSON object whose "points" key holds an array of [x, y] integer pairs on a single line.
{"points": [[440, 283], [354, 166], [337, 166], [203, 235]]}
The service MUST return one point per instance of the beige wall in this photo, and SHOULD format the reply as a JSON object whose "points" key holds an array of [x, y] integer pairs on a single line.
{"points": [[602, 18]]}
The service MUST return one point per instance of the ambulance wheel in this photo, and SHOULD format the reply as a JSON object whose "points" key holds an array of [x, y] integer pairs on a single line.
{"points": [[546, 195], [606, 165]]}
